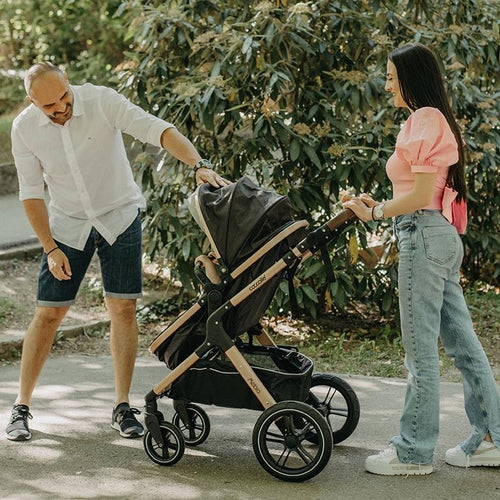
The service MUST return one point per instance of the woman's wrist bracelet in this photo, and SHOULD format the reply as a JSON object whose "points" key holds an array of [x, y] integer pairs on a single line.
{"points": [[50, 251]]}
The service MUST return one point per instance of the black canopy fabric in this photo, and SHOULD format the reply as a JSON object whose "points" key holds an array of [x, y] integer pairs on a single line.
{"points": [[239, 218]]}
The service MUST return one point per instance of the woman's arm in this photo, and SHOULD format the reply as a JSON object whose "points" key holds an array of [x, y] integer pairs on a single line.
{"points": [[420, 196]]}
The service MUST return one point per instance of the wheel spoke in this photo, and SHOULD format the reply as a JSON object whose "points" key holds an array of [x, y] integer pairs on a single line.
{"points": [[302, 432], [274, 437], [340, 412], [330, 395], [282, 460], [304, 454]]}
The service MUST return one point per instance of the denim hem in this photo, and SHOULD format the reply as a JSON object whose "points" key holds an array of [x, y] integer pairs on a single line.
{"points": [[52, 303], [115, 295]]}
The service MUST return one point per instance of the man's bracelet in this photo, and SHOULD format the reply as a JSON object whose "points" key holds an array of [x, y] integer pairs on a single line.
{"points": [[49, 252], [202, 164]]}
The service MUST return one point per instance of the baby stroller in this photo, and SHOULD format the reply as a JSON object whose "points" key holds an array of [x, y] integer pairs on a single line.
{"points": [[255, 244]]}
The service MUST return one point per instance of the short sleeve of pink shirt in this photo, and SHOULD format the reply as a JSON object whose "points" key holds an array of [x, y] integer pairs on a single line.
{"points": [[426, 142]]}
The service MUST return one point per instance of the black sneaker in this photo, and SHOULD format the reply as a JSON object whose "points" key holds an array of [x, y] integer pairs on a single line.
{"points": [[18, 429], [123, 420]]}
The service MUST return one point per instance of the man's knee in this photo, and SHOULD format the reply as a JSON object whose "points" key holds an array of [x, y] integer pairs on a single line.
{"points": [[50, 315], [122, 310]]}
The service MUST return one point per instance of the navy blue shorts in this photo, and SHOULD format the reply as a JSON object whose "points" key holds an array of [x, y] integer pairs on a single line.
{"points": [[121, 268]]}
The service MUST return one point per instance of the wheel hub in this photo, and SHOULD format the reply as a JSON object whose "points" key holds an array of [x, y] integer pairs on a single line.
{"points": [[291, 441]]}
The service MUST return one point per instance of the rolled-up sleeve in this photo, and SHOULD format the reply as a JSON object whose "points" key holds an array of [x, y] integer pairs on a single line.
{"points": [[131, 119], [29, 169]]}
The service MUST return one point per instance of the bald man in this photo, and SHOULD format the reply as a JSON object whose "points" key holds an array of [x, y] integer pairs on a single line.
{"points": [[70, 139]]}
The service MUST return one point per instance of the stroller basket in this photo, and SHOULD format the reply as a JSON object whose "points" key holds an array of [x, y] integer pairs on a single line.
{"points": [[284, 372]]}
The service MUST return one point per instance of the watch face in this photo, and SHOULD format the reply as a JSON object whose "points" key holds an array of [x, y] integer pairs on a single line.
{"points": [[204, 163], [379, 212]]}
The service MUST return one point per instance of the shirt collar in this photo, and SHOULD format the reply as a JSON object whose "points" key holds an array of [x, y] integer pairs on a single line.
{"points": [[77, 108]]}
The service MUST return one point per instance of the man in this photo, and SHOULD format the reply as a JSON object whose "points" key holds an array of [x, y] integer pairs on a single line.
{"points": [[71, 138]]}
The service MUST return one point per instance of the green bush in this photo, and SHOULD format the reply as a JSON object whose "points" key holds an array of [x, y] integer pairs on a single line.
{"points": [[80, 35], [292, 94], [289, 93]]}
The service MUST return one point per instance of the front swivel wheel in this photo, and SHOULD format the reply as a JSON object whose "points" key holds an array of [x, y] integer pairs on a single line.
{"points": [[171, 450], [197, 428]]}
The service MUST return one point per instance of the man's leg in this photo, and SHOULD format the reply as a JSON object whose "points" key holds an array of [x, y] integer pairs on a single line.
{"points": [[123, 344], [121, 266], [36, 347], [54, 297]]}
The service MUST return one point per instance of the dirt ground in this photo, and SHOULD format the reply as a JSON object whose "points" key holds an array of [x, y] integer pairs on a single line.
{"points": [[17, 301], [18, 284]]}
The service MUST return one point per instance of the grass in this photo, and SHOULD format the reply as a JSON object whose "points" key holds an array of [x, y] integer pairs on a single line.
{"points": [[5, 126], [372, 346], [7, 308]]}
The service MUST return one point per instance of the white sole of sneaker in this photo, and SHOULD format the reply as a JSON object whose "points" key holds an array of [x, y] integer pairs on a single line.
{"points": [[403, 470], [485, 462], [132, 435], [19, 438]]}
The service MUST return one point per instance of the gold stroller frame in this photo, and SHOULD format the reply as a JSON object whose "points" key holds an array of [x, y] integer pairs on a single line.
{"points": [[216, 336]]}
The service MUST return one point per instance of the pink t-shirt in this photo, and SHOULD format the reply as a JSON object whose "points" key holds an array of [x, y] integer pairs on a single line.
{"points": [[425, 144]]}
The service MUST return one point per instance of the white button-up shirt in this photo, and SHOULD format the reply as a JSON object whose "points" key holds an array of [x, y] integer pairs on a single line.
{"points": [[84, 163]]}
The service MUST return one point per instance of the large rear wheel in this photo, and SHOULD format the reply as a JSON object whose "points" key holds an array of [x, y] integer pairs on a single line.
{"points": [[335, 399], [280, 441]]}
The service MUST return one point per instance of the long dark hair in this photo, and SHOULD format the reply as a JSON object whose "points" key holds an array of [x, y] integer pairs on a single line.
{"points": [[421, 84]]}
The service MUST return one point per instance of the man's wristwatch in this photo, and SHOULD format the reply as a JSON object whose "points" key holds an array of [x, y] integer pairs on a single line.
{"points": [[202, 164], [378, 211]]}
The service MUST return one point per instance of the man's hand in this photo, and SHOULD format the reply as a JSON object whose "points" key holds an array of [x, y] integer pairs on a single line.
{"points": [[208, 175], [59, 265]]}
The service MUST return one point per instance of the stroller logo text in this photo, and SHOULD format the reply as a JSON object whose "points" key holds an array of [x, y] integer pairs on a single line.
{"points": [[257, 283], [255, 387]]}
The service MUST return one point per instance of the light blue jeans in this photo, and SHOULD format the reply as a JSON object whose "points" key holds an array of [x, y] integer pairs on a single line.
{"points": [[432, 305]]}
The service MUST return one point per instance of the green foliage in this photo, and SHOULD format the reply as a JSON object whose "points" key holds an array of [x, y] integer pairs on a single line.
{"points": [[289, 93], [79, 35], [292, 94]]}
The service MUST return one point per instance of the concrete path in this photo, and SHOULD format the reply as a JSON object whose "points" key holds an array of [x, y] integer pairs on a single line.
{"points": [[14, 225], [75, 454]]}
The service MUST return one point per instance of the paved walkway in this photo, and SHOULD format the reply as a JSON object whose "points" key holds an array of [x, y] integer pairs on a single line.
{"points": [[14, 225], [75, 454]]}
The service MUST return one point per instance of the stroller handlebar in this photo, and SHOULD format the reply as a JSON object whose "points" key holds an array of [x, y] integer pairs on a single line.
{"points": [[344, 216]]}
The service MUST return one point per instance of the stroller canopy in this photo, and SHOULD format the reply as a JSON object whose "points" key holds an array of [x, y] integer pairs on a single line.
{"points": [[238, 218]]}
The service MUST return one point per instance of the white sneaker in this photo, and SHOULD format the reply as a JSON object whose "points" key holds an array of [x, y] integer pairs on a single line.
{"points": [[486, 455], [386, 463]]}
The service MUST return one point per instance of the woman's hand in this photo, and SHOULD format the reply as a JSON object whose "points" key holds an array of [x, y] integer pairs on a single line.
{"points": [[345, 196], [368, 200], [360, 208]]}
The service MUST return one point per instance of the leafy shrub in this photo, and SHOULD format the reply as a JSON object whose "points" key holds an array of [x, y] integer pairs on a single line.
{"points": [[292, 94]]}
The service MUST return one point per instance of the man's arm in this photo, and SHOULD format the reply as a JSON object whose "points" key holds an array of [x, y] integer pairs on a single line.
{"points": [[38, 217], [182, 148], [179, 146]]}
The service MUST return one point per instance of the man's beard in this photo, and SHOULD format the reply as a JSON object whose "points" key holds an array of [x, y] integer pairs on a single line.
{"points": [[61, 115]]}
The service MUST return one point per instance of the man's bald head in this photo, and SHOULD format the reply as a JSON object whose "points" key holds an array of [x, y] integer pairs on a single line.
{"points": [[38, 71], [48, 89]]}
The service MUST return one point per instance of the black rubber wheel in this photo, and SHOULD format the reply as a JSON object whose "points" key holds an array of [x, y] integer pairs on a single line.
{"points": [[174, 449], [281, 446], [335, 399], [200, 425]]}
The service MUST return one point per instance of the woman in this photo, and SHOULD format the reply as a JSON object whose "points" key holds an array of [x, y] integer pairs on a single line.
{"points": [[425, 169]]}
